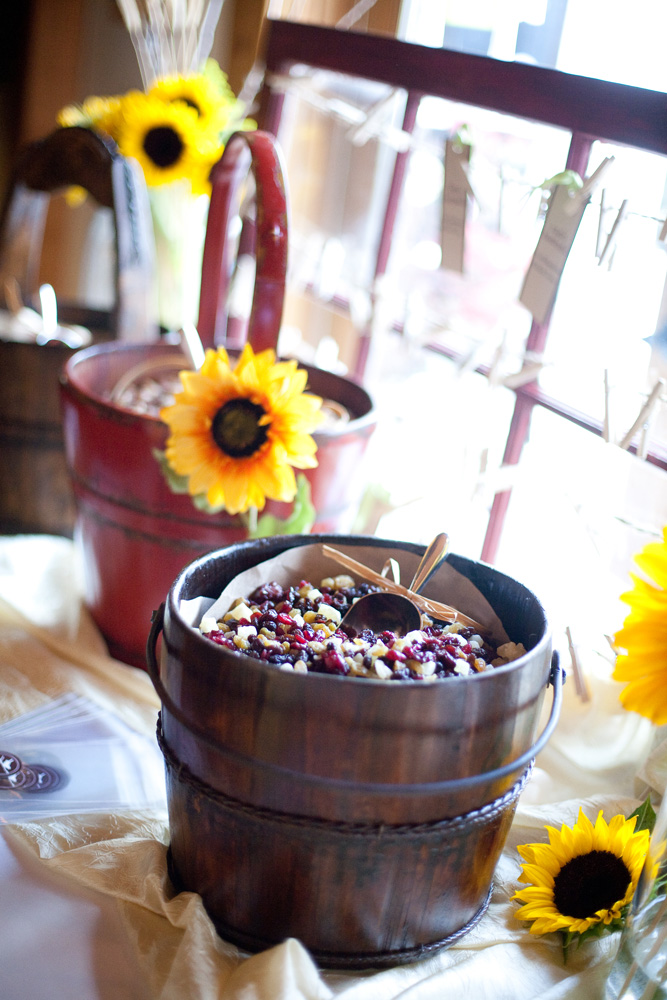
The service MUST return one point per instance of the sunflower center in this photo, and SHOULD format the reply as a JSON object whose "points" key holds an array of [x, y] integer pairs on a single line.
{"points": [[163, 145], [590, 882], [236, 428], [191, 104]]}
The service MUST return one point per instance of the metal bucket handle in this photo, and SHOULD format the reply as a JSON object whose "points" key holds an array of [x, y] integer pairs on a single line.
{"points": [[270, 240], [556, 676]]}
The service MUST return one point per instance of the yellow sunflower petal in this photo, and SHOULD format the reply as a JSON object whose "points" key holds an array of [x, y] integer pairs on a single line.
{"points": [[547, 868], [642, 662], [250, 454], [161, 137]]}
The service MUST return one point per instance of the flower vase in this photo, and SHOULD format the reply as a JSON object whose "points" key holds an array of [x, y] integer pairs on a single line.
{"points": [[179, 226], [639, 971]]}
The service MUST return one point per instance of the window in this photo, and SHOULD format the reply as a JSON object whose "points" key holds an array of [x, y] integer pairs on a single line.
{"points": [[467, 383]]}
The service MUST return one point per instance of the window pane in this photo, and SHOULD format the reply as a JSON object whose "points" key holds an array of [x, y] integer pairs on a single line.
{"points": [[623, 44]]}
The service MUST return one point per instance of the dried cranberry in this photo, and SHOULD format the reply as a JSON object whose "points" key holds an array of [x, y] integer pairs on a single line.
{"points": [[446, 659], [267, 592], [334, 663], [217, 636]]}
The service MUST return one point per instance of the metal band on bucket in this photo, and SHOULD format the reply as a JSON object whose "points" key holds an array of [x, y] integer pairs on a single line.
{"points": [[371, 788]]}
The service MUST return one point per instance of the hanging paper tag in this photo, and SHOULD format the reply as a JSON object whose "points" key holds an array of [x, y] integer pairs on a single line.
{"points": [[454, 204], [562, 220]]}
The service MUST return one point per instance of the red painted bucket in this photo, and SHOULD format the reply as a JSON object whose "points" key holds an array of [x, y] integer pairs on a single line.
{"points": [[134, 534]]}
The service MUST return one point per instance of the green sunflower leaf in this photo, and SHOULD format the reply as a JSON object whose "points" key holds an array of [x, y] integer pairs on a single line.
{"points": [[179, 484], [567, 178], [300, 521], [176, 483], [646, 816], [572, 940], [568, 937]]}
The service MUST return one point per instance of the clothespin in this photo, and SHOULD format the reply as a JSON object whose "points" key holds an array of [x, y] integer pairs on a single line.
{"points": [[581, 196], [606, 426], [600, 233], [579, 682], [528, 373], [645, 413], [375, 123], [605, 256]]}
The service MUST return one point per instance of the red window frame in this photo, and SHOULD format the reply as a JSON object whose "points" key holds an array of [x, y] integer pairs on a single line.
{"points": [[587, 108]]}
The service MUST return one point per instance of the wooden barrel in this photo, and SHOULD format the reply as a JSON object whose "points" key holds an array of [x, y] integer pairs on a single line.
{"points": [[363, 817], [134, 533], [36, 494]]}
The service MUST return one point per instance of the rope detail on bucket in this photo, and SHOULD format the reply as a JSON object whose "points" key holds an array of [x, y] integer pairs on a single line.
{"points": [[454, 826]]}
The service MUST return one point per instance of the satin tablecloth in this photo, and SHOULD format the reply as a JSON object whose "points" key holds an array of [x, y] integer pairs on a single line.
{"points": [[86, 910]]}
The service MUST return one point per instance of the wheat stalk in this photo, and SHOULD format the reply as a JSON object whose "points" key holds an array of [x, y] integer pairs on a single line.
{"points": [[431, 607], [170, 37]]}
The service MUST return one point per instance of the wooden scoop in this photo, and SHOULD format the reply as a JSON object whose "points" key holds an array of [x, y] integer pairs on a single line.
{"points": [[396, 612]]}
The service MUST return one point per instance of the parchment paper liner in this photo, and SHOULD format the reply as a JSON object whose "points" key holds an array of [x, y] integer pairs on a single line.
{"points": [[308, 562]]}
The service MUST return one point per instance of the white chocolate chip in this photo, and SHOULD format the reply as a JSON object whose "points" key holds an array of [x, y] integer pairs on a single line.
{"points": [[425, 669], [327, 611], [245, 631], [240, 611]]}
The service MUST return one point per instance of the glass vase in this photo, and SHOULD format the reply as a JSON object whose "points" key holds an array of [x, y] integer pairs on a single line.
{"points": [[179, 226], [639, 971]]}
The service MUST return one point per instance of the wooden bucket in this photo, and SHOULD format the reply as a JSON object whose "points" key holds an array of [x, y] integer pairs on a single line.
{"points": [[134, 534], [37, 495], [364, 818]]}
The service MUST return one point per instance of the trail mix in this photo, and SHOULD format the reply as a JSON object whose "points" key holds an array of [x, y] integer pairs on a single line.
{"points": [[298, 628]]}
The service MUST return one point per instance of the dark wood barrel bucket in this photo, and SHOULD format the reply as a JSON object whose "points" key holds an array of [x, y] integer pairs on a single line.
{"points": [[36, 495], [364, 818]]}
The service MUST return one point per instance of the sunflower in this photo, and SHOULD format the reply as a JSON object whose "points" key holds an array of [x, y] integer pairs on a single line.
{"points": [[584, 878], [100, 113], [162, 137], [644, 637], [236, 434], [198, 91]]}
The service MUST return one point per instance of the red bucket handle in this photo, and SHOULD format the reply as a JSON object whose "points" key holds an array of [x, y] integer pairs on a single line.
{"points": [[227, 178]]}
